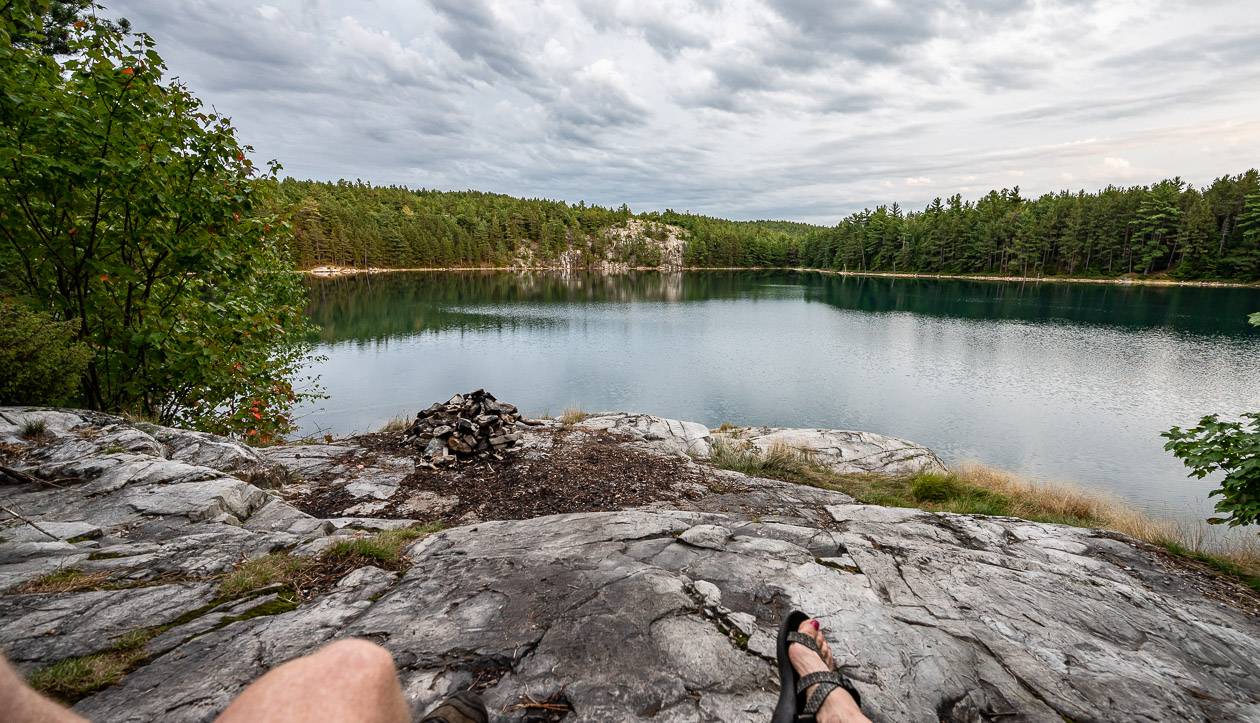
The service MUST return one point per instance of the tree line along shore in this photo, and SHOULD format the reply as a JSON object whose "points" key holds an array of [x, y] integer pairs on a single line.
{"points": [[1170, 231]]}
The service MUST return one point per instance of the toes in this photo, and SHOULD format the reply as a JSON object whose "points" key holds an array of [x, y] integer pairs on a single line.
{"points": [[826, 654], [813, 629]]}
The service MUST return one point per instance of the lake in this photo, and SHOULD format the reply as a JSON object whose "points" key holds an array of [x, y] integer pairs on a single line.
{"points": [[1051, 380]]}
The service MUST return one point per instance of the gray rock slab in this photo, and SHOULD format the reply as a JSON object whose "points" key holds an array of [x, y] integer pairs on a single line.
{"points": [[922, 626], [210, 450], [224, 498], [279, 516], [670, 436], [309, 459], [844, 451], [69, 531], [345, 465], [44, 628]]}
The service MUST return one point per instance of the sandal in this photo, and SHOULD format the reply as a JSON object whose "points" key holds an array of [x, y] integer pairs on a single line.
{"points": [[793, 706], [463, 707]]}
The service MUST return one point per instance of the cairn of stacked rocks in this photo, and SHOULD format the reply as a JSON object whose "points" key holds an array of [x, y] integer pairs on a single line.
{"points": [[466, 426]]}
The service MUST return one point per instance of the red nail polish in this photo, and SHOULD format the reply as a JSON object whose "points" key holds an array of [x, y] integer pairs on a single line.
{"points": [[815, 624]]}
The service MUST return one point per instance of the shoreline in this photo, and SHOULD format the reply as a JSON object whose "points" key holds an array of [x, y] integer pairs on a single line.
{"points": [[333, 272]]}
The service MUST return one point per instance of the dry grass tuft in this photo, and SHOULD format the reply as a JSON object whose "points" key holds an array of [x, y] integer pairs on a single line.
{"points": [[33, 429], [1066, 501], [68, 579], [778, 462], [572, 416], [395, 425]]}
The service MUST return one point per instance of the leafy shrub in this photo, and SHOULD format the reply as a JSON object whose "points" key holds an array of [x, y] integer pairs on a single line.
{"points": [[1229, 447], [40, 361], [133, 212]]}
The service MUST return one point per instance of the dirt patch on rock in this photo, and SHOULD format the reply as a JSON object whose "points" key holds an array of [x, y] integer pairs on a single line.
{"points": [[1181, 575], [578, 471], [1209, 582]]}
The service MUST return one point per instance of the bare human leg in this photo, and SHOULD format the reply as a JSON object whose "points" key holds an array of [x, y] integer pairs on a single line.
{"points": [[347, 681]]}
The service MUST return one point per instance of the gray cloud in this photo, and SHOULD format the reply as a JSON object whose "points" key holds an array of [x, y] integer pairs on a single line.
{"points": [[471, 29], [668, 33], [1220, 46], [804, 109], [865, 30]]}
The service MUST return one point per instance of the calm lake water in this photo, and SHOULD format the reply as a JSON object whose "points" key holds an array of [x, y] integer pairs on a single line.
{"points": [[1052, 380]]}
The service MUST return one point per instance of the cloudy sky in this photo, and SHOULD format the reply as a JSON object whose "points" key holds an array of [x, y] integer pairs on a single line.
{"points": [[801, 109]]}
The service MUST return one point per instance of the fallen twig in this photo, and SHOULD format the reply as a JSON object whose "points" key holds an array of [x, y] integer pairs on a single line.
{"points": [[555, 703], [29, 522], [11, 476]]}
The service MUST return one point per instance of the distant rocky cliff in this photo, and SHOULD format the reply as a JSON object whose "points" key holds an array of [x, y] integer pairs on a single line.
{"points": [[602, 564], [633, 244]]}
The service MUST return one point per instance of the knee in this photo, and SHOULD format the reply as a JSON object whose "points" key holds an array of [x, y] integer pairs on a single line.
{"points": [[359, 656]]}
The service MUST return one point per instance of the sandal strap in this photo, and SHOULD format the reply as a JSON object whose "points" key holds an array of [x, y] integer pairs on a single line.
{"points": [[802, 639], [827, 682], [819, 696], [822, 676]]}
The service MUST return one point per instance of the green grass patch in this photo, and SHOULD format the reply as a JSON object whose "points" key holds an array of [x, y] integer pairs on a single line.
{"points": [[72, 679], [299, 576], [383, 549], [282, 604], [278, 567], [932, 491], [75, 678], [779, 462]]}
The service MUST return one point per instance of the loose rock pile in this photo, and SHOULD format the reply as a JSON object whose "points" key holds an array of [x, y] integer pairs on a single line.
{"points": [[466, 426]]}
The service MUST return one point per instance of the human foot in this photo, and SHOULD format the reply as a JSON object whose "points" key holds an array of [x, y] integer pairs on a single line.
{"points": [[839, 706]]}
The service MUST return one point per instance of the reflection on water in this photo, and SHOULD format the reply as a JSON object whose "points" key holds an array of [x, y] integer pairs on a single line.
{"points": [[1067, 381]]}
